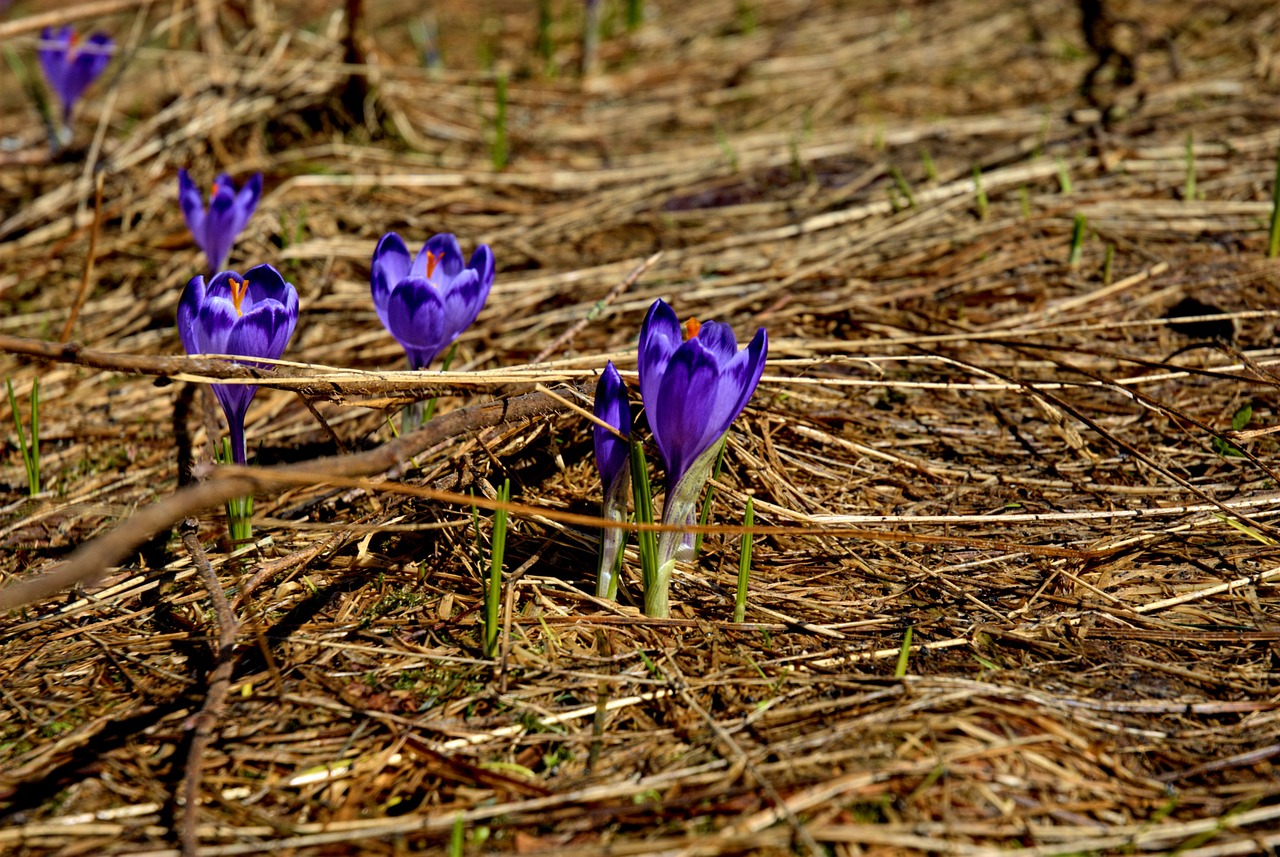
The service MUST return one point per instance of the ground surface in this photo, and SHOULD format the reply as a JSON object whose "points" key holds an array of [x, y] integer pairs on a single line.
{"points": [[961, 432]]}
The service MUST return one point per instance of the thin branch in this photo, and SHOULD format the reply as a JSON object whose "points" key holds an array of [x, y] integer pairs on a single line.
{"points": [[215, 699], [92, 558], [616, 292]]}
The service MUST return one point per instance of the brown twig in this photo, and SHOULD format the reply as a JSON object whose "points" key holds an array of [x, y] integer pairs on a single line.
{"points": [[58, 17], [202, 723], [300, 379], [92, 558], [616, 292], [87, 279]]}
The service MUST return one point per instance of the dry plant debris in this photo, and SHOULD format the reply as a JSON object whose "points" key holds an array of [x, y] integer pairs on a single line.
{"points": [[1066, 493]]}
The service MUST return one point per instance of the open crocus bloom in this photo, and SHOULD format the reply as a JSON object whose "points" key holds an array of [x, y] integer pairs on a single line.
{"points": [[249, 316], [613, 460], [215, 229], [427, 301], [70, 68], [693, 390]]}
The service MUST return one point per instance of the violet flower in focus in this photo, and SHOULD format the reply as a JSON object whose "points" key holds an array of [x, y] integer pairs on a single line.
{"points": [[613, 460], [249, 316], [215, 229], [693, 390], [427, 301], [68, 67]]}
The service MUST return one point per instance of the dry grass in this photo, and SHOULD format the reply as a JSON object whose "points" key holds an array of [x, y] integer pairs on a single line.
{"points": [[959, 433]]}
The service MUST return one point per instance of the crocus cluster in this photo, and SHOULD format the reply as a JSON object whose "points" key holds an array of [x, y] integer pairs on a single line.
{"points": [[215, 228], [693, 389], [69, 67]]}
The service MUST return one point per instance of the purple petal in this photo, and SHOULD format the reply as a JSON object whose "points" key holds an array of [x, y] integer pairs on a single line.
{"points": [[659, 338], [681, 416], [192, 203], [264, 332], [247, 201], [219, 223], [235, 399], [704, 387], [391, 264], [188, 311], [213, 325], [612, 406], [266, 284], [718, 338], [444, 247], [52, 52], [482, 263], [739, 376], [87, 63], [415, 317], [220, 285], [463, 299]]}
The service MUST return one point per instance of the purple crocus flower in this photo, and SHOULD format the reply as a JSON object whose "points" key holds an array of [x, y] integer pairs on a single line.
{"points": [[215, 229], [427, 301], [613, 460], [70, 68], [249, 316], [693, 390]]}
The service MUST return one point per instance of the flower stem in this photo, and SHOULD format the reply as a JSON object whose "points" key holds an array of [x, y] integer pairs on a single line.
{"points": [[239, 509], [681, 506], [612, 539], [744, 563], [655, 588], [705, 514]]}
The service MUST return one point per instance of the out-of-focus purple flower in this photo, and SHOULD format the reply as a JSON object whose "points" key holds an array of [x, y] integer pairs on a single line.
{"points": [[693, 390], [427, 301], [613, 460], [70, 68], [215, 229], [249, 316]]}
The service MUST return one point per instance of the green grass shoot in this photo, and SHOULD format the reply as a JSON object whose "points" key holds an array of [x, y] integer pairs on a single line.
{"points": [[646, 540], [1107, 258], [499, 152], [904, 655], [1273, 245], [635, 13], [930, 168], [900, 182], [545, 47], [30, 450], [744, 563], [1077, 240], [726, 148], [458, 836], [493, 593], [979, 192], [1064, 177]]}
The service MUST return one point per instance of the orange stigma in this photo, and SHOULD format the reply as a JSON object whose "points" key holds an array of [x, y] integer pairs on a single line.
{"points": [[213, 191], [433, 259], [238, 290], [692, 328]]}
